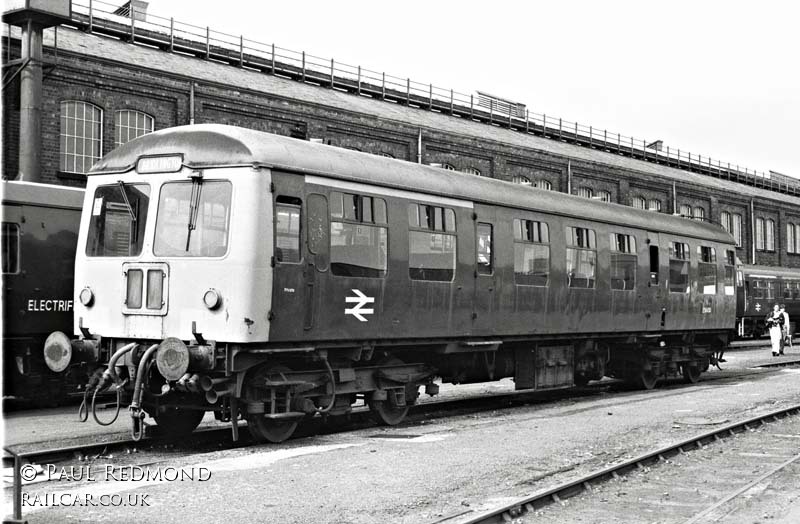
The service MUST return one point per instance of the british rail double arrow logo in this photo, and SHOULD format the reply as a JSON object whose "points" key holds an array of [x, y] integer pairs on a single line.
{"points": [[361, 300]]}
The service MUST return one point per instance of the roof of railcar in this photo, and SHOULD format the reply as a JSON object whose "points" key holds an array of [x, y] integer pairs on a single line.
{"points": [[47, 195], [214, 145]]}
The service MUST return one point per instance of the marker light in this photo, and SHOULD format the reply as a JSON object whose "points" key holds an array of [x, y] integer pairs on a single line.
{"points": [[86, 297], [212, 298]]}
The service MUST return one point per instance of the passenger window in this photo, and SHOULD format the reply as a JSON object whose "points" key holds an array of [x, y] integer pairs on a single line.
{"points": [[358, 248], [531, 254], [623, 261], [287, 230], [485, 262], [678, 267], [707, 269], [581, 257], [10, 248], [431, 252]]}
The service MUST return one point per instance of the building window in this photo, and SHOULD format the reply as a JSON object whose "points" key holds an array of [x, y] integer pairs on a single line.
{"points": [[654, 205], [793, 238], [448, 167], [431, 252], [769, 235], [679, 267], [581, 257], [760, 234], [81, 136], [531, 253], [737, 229], [523, 180], [473, 171], [699, 214], [604, 196], [639, 203], [10, 247], [130, 124], [623, 261], [358, 248], [585, 192], [725, 221], [685, 210], [386, 155], [544, 184]]}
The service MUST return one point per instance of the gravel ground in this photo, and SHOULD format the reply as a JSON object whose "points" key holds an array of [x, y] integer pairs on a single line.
{"points": [[437, 468]]}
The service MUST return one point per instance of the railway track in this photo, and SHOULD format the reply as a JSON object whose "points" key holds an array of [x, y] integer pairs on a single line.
{"points": [[518, 509]]}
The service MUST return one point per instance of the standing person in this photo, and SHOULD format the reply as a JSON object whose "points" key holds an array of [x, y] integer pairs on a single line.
{"points": [[774, 323], [787, 329]]}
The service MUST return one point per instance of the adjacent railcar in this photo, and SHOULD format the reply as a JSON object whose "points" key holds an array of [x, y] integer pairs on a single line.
{"points": [[40, 232], [250, 274], [760, 288]]}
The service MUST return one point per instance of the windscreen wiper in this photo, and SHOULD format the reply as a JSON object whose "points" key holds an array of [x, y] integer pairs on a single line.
{"points": [[194, 205], [131, 212]]}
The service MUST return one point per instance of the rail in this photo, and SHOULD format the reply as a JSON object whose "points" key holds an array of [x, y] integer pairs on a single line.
{"points": [[179, 37]]}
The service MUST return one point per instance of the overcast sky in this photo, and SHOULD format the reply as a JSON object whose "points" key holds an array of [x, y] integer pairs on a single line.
{"points": [[711, 77]]}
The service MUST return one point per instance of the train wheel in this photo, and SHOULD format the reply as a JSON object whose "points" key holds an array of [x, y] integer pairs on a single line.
{"points": [[691, 374], [647, 379], [178, 421], [387, 412], [263, 429]]}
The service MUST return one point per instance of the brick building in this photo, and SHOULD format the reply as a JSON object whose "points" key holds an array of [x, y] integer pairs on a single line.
{"points": [[99, 92]]}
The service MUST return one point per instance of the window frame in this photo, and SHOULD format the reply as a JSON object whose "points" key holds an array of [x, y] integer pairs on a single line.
{"points": [[628, 253], [135, 113], [358, 221], [67, 161], [17, 242], [521, 238], [573, 243], [291, 206]]}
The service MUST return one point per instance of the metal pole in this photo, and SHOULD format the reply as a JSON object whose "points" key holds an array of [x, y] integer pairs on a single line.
{"points": [[273, 58], [491, 110], [408, 91], [241, 50], [91, 17], [359, 80], [590, 136], [527, 120], [332, 66], [304, 66], [191, 103], [752, 232], [17, 488], [419, 146], [30, 116], [133, 25], [471, 106], [171, 34], [383, 86], [430, 96], [451, 101], [208, 42]]}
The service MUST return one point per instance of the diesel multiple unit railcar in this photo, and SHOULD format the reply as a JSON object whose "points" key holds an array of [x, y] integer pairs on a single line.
{"points": [[760, 288], [250, 274], [40, 231]]}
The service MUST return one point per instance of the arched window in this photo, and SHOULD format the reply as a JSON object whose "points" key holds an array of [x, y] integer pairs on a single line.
{"points": [[725, 221], [685, 210], [519, 179], [387, 155], [448, 167], [604, 196], [654, 205], [737, 229], [81, 136], [639, 203], [585, 192], [544, 184], [130, 124], [472, 171], [699, 213], [791, 245], [770, 235]]}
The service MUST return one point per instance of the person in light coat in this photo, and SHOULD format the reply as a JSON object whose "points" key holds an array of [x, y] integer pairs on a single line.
{"points": [[774, 322], [787, 329]]}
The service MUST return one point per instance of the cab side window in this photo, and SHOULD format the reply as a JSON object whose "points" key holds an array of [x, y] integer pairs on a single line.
{"points": [[287, 229]]}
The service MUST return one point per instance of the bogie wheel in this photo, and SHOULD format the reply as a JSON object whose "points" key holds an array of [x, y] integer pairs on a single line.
{"points": [[691, 374], [261, 428], [387, 412], [176, 422], [646, 379]]}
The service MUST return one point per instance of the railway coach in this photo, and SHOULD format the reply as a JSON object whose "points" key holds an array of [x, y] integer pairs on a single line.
{"points": [[250, 274], [760, 288], [40, 231]]}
